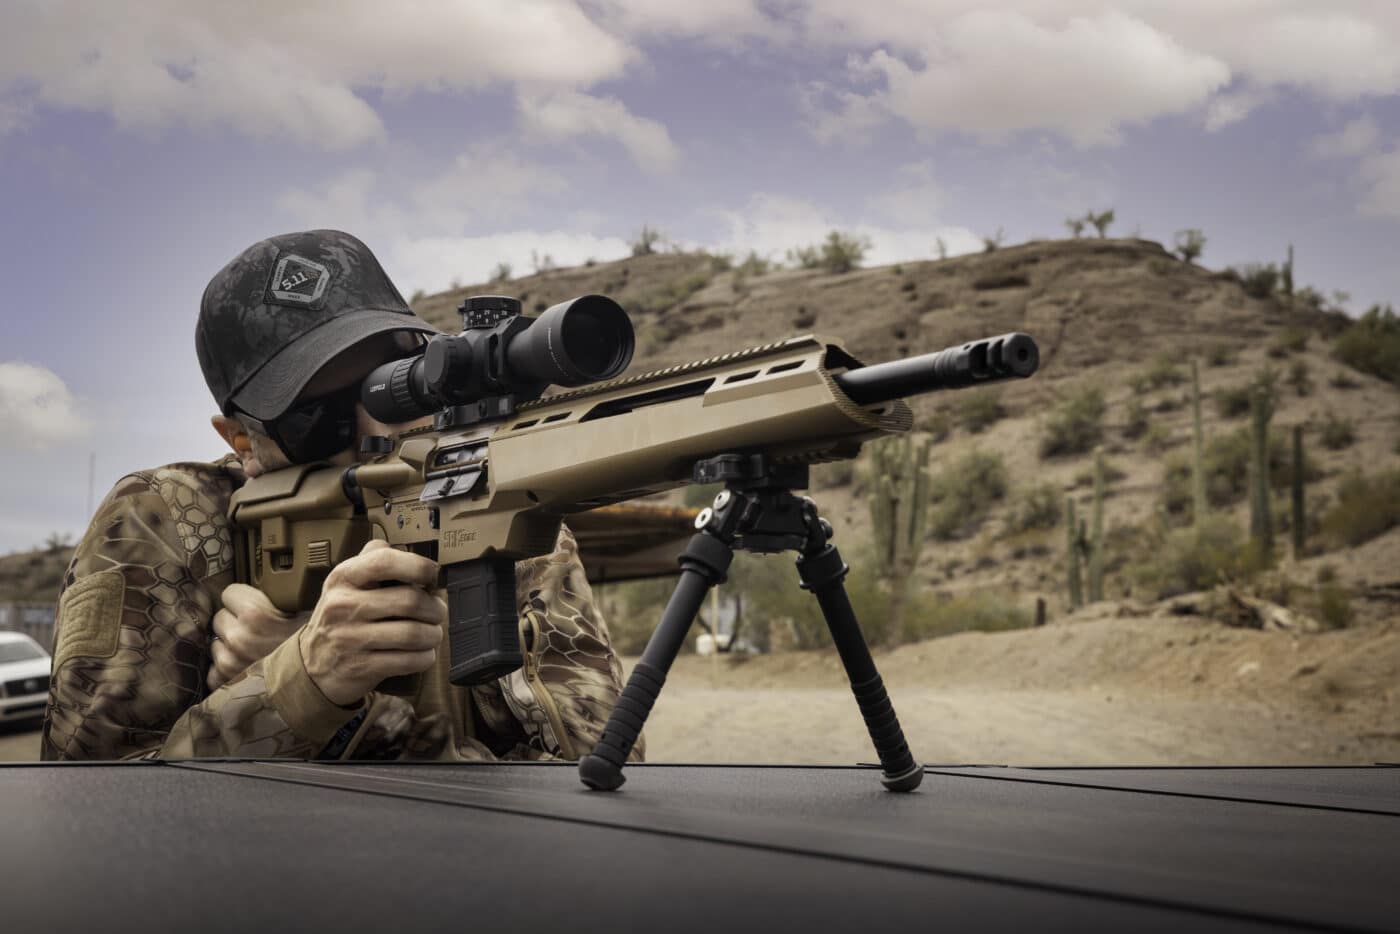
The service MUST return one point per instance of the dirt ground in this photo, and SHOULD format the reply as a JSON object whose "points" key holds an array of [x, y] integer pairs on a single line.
{"points": [[1154, 691], [1090, 690]]}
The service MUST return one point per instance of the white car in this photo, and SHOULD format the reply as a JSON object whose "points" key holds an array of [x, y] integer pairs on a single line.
{"points": [[24, 677]]}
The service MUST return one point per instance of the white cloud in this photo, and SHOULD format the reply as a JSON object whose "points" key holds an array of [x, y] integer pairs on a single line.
{"points": [[994, 73], [1233, 106], [419, 231], [773, 224], [716, 20], [564, 114], [36, 407], [1356, 138], [288, 71], [435, 263]]}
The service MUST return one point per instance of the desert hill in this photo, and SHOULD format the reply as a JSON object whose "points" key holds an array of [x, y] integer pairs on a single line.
{"points": [[1120, 316]]}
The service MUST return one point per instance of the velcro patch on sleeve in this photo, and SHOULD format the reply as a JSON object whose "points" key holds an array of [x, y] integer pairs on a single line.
{"points": [[90, 617]]}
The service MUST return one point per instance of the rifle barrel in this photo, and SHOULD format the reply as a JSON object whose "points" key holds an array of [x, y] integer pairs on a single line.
{"points": [[990, 360]]}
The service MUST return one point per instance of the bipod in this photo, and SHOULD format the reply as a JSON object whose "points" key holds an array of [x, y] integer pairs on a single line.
{"points": [[757, 511]]}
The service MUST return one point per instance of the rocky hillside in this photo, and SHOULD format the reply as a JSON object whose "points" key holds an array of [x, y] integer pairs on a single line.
{"points": [[1120, 317]]}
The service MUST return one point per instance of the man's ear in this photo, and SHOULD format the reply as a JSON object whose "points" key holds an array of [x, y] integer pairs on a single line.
{"points": [[233, 433]]}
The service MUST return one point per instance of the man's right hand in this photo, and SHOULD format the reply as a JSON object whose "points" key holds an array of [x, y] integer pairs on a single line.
{"points": [[376, 618]]}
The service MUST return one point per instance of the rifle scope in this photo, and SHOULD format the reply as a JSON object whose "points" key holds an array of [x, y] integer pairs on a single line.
{"points": [[990, 360], [501, 352]]}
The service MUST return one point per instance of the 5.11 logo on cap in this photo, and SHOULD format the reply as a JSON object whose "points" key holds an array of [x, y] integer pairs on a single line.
{"points": [[297, 279]]}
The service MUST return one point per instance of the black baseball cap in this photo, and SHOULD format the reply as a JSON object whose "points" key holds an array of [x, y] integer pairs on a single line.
{"points": [[283, 308]]}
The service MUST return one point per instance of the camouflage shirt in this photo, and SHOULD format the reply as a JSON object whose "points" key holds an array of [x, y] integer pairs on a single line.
{"points": [[135, 620]]}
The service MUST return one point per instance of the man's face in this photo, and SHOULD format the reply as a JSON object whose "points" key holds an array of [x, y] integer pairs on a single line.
{"points": [[344, 373]]}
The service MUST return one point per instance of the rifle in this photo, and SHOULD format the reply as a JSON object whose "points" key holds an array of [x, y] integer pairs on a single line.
{"points": [[489, 483]]}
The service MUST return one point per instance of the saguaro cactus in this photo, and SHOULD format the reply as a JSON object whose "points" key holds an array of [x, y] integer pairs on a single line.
{"points": [[899, 515], [1074, 543], [1096, 539], [1198, 469], [1261, 519], [1299, 519]]}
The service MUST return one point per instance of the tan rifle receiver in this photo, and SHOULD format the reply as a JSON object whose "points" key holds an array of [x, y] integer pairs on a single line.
{"points": [[479, 498]]}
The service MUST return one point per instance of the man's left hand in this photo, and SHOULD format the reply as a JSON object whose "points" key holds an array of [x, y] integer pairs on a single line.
{"points": [[248, 628]]}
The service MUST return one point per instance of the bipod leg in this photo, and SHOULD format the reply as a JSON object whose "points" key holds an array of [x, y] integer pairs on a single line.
{"points": [[703, 565], [823, 573]]}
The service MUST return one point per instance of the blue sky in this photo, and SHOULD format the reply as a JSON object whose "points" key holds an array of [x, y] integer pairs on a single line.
{"points": [[142, 146]]}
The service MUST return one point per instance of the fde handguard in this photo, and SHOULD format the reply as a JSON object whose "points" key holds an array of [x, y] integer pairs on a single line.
{"points": [[489, 484]]}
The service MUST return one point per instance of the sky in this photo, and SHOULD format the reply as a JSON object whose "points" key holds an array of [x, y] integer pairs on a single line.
{"points": [[142, 146]]}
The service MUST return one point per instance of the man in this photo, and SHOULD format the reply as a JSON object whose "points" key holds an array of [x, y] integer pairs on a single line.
{"points": [[158, 652]]}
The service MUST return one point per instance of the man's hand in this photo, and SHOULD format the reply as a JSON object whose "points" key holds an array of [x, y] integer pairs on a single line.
{"points": [[376, 618], [248, 628]]}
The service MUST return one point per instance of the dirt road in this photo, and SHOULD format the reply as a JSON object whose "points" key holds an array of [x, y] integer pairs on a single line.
{"points": [[1094, 692]]}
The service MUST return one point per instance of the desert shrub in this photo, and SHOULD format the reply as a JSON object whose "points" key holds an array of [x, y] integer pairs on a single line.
{"points": [[805, 257], [1338, 432], [1158, 438], [1333, 606], [754, 265], [501, 272], [1075, 226], [670, 295], [1195, 558], [1290, 341], [1137, 423], [1259, 280], [838, 253], [980, 410], [1076, 426], [1234, 401], [646, 241], [1100, 221], [1036, 507], [1220, 355], [1226, 462], [1190, 243], [1299, 378], [939, 426], [908, 285], [930, 618], [1366, 507], [768, 586], [1372, 344], [1162, 371], [991, 242], [962, 493]]}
